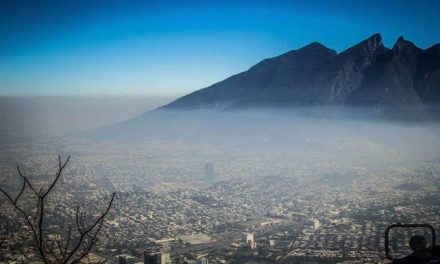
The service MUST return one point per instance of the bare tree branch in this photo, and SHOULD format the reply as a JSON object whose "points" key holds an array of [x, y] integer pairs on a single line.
{"points": [[57, 176], [26, 218], [85, 232], [21, 192], [66, 247], [55, 251], [38, 211], [24, 177]]}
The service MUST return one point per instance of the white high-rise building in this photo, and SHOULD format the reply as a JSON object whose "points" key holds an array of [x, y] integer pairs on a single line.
{"points": [[316, 224], [250, 240], [165, 256]]}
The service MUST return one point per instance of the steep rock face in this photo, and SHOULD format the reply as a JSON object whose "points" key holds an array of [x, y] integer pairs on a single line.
{"points": [[427, 76], [365, 74], [348, 70], [389, 81]]}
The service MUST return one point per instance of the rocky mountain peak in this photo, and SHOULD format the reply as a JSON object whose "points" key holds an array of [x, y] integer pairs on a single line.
{"points": [[403, 46], [374, 42], [313, 46], [367, 73]]}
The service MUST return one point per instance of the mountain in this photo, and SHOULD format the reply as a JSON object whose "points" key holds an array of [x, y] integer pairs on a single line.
{"points": [[366, 81], [366, 74]]}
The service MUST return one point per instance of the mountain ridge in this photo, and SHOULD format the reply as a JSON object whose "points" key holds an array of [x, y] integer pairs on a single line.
{"points": [[367, 73]]}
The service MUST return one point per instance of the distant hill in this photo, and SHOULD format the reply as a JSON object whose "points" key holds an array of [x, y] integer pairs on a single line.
{"points": [[366, 74]]}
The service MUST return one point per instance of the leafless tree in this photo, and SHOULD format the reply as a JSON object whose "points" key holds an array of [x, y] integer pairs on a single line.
{"points": [[78, 241]]}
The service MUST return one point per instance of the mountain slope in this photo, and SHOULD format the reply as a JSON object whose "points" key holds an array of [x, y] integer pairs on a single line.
{"points": [[365, 74], [268, 82]]}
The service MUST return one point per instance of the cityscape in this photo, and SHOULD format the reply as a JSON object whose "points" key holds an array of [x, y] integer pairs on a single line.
{"points": [[219, 132], [216, 208]]}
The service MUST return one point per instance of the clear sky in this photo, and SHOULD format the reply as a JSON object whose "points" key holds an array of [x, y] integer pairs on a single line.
{"points": [[175, 47]]}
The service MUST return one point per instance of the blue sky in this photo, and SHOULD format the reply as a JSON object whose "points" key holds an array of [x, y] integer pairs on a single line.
{"points": [[175, 47]]}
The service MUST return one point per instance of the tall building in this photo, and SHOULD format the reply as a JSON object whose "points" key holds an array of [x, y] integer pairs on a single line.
{"points": [[152, 257], [250, 240], [209, 171], [316, 224], [165, 256], [249, 237]]}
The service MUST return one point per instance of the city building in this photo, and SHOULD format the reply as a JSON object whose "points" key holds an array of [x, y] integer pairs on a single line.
{"points": [[250, 240], [165, 256], [209, 171], [126, 259], [316, 224], [202, 261], [152, 257]]}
